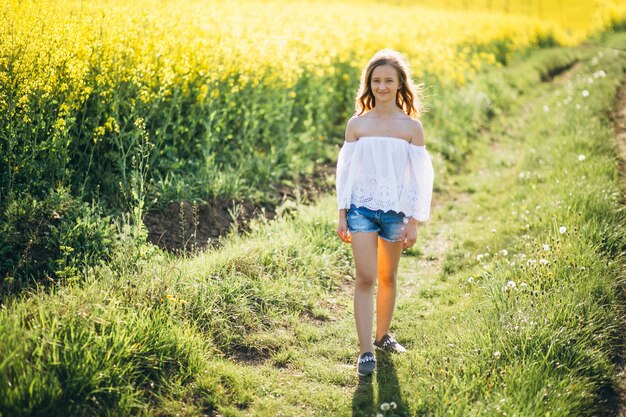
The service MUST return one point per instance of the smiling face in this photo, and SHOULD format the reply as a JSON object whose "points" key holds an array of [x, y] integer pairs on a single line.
{"points": [[385, 83], [387, 80]]}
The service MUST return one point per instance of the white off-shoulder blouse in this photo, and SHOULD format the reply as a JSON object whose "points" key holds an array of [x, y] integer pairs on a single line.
{"points": [[385, 173]]}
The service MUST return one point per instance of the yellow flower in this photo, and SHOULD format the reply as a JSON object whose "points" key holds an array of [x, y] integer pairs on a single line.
{"points": [[60, 124]]}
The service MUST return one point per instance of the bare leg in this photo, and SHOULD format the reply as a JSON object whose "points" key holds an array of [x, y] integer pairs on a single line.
{"points": [[364, 250], [388, 260]]}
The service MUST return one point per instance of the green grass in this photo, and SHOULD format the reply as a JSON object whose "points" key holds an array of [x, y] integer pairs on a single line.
{"points": [[501, 312]]}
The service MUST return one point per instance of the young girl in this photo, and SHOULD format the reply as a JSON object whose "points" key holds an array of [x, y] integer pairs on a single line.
{"points": [[384, 188]]}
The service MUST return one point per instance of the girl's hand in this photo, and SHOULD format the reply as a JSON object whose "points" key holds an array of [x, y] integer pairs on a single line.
{"points": [[409, 234], [342, 230]]}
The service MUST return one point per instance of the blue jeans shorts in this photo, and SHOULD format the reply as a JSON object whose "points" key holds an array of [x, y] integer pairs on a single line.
{"points": [[389, 224]]}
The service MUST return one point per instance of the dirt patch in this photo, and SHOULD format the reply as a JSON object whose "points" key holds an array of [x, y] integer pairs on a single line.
{"points": [[569, 69], [184, 226]]}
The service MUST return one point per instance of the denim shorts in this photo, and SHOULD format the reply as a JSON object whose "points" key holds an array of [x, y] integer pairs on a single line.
{"points": [[389, 224]]}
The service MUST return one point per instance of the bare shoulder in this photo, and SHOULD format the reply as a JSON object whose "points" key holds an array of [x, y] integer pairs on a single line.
{"points": [[417, 132], [351, 128]]}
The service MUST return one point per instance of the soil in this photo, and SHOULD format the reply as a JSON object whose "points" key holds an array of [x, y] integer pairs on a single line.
{"points": [[567, 70], [184, 226]]}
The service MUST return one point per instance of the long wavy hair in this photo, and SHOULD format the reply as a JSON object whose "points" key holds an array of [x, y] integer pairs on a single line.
{"points": [[408, 97]]}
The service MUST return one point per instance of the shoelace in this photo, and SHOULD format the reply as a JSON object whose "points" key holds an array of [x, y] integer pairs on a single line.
{"points": [[390, 340], [366, 359]]}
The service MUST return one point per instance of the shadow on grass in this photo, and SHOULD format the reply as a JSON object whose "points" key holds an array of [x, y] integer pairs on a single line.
{"points": [[388, 390], [363, 399], [389, 385]]}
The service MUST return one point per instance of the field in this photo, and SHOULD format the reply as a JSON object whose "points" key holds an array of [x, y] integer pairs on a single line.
{"points": [[510, 303]]}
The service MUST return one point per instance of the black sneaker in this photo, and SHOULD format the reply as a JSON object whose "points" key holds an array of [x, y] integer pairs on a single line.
{"points": [[389, 344], [366, 364]]}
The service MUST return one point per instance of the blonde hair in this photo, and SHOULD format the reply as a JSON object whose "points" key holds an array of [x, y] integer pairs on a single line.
{"points": [[408, 97]]}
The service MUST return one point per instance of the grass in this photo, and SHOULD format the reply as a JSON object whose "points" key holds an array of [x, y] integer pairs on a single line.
{"points": [[503, 311]]}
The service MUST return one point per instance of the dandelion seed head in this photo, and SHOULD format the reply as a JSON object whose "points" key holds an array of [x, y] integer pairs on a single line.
{"points": [[581, 157], [562, 229], [585, 93]]}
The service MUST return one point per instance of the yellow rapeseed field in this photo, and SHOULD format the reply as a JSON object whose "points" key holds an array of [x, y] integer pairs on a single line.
{"points": [[167, 42], [78, 72]]}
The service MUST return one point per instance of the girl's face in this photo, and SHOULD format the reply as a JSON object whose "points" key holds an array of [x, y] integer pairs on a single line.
{"points": [[385, 83]]}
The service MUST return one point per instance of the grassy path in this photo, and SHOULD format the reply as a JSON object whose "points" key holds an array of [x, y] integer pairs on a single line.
{"points": [[441, 296]]}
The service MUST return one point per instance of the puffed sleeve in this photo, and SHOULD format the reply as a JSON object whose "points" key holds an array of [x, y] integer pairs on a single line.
{"points": [[343, 184], [422, 176]]}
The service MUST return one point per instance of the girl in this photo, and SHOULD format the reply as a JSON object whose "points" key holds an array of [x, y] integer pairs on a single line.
{"points": [[384, 187]]}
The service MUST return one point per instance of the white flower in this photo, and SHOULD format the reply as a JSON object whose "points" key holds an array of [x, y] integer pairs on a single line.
{"points": [[470, 279], [523, 285], [581, 157], [530, 262], [546, 247], [511, 284], [546, 108], [543, 261], [393, 405], [385, 407], [479, 257], [493, 230], [497, 354], [504, 252], [562, 229], [585, 93]]}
